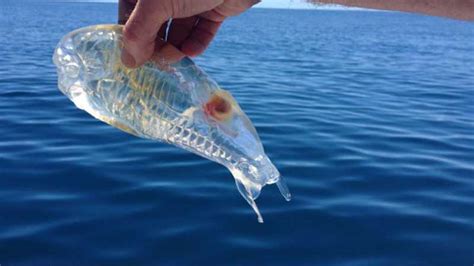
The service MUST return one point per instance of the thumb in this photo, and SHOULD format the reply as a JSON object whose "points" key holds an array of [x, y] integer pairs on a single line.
{"points": [[140, 31]]}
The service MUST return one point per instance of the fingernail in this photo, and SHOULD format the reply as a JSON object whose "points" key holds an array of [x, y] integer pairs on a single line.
{"points": [[127, 59]]}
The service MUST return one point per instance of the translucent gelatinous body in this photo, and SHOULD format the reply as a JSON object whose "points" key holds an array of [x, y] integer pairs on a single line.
{"points": [[177, 104]]}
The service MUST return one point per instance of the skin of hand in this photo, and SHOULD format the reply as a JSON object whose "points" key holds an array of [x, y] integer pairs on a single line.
{"points": [[457, 9], [194, 24]]}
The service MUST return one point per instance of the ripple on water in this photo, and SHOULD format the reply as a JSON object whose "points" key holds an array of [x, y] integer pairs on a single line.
{"points": [[369, 120]]}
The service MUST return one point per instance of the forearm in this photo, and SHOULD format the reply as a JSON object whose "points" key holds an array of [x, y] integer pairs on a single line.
{"points": [[459, 9]]}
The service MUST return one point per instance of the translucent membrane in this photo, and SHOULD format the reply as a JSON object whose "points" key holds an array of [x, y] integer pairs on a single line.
{"points": [[174, 103]]}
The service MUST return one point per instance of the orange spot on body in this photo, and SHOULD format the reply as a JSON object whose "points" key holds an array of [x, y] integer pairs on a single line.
{"points": [[218, 107]]}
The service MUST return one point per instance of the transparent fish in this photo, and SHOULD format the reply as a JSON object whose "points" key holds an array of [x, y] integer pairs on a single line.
{"points": [[175, 103]]}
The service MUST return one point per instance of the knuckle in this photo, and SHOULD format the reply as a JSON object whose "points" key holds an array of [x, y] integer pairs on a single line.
{"points": [[169, 7], [183, 8], [134, 31], [129, 33], [177, 7]]}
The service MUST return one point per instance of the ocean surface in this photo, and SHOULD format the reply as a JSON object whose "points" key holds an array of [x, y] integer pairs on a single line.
{"points": [[368, 115]]}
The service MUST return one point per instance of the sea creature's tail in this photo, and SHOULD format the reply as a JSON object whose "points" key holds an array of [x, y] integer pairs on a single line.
{"points": [[285, 192], [251, 190], [247, 194]]}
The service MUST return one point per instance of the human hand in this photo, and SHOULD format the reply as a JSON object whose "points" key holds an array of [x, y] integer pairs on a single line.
{"points": [[194, 25]]}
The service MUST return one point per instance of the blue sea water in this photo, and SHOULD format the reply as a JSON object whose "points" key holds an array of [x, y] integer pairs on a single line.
{"points": [[368, 115]]}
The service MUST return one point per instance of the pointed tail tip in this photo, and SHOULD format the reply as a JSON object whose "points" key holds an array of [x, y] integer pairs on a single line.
{"points": [[285, 192], [287, 196]]}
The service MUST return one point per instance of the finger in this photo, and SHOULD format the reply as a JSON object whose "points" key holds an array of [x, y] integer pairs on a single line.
{"points": [[165, 53], [125, 10], [230, 8], [180, 30], [188, 8], [235, 7], [213, 15], [201, 37], [141, 30]]}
